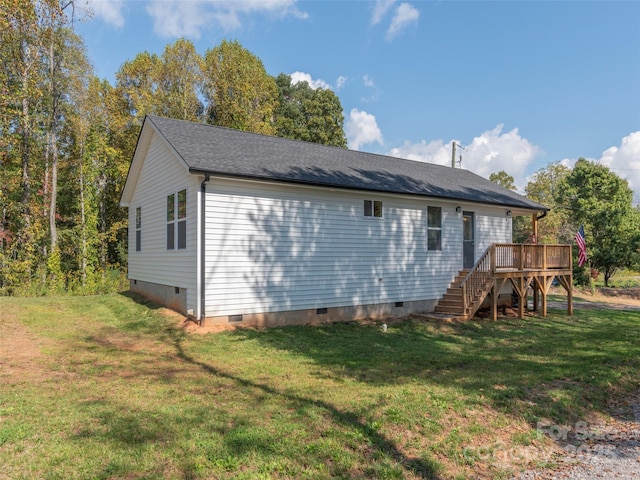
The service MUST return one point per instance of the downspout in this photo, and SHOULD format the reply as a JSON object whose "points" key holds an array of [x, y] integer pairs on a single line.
{"points": [[536, 219], [203, 223]]}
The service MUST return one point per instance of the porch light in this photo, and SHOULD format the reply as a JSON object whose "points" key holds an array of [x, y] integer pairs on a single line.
{"points": [[508, 213], [458, 209]]}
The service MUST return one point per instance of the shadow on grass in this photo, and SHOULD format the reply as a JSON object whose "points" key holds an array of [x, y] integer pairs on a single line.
{"points": [[418, 466], [557, 367]]}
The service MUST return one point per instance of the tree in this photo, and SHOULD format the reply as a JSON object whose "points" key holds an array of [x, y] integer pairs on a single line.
{"points": [[309, 115], [520, 229], [602, 201], [21, 92], [503, 179], [545, 188], [137, 82], [180, 82], [240, 93]]}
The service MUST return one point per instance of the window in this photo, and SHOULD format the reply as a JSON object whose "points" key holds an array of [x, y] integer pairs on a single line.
{"points": [[434, 228], [138, 229], [372, 208], [177, 220]]}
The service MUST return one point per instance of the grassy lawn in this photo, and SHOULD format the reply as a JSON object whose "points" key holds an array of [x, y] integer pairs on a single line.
{"points": [[108, 387]]}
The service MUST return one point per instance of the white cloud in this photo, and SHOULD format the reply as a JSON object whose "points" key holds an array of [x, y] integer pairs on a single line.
{"points": [[341, 82], [435, 151], [380, 9], [297, 77], [489, 152], [406, 15], [367, 81], [362, 128], [176, 18], [109, 11], [625, 160]]}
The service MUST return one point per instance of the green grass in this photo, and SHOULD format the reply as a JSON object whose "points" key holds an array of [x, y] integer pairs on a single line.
{"points": [[622, 279], [119, 392]]}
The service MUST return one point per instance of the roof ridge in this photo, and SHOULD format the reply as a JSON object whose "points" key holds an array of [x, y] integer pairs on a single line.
{"points": [[207, 148]]}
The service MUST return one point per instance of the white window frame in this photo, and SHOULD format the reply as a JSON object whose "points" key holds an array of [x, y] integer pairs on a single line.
{"points": [[138, 229], [176, 220], [373, 207], [431, 228]]}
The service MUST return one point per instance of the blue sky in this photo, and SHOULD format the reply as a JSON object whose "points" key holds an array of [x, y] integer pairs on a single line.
{"points": [[518, 84]]}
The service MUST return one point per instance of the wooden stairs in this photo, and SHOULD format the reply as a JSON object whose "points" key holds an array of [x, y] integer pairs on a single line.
{"points": [[452, 305], [522, 265]]}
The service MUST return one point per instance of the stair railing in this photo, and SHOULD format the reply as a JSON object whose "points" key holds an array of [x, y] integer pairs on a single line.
{"points": [[476, 280]]}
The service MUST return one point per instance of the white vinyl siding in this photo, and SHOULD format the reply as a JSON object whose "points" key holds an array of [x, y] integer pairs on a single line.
{"points": [[492, 226], [162, 174], [273, 247]]}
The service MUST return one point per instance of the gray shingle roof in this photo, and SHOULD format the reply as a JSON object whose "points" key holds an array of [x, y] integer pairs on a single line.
{"points": [[223, 151]]}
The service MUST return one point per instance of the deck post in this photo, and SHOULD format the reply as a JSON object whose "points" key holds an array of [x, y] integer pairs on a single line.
{"points": [[464, 298], [493, 258], [494, 300], [521, 266], [570, 289], [544, 299], [522, 297]]}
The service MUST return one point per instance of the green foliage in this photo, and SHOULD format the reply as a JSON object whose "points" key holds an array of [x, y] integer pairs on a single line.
{"points": [[55, 277], [503, 179], [545, 188], [180, 82], [602, 201], [520, 226], [307, 114], [240, 93]]}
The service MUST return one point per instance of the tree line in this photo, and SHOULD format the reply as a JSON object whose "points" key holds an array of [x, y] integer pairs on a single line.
{"points": [[67, 137], [588, 194]]}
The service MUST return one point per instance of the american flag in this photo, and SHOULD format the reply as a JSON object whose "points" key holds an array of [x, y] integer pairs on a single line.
{"points": [[582, 246]]}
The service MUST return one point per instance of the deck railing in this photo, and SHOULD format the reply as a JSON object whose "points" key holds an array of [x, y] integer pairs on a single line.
{"points": [[511, 257]]}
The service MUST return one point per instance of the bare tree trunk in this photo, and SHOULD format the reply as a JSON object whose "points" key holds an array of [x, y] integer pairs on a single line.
{"points": [[26, 181], [83, 223], [53, 149]]}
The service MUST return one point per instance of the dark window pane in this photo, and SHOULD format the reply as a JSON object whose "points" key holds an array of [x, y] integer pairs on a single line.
{"points": [[377, 209], [138, 240], [182, 204], [434, 240], [170, 236], [182, 234], [368, 208], [434, 215], [171, 206], [138, 217]]}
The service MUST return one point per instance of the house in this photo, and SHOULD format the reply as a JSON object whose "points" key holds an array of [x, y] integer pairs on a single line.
{"points": [[231, 226]]}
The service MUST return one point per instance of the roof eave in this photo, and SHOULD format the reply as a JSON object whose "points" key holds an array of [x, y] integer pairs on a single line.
{"points": [[515, 207]]}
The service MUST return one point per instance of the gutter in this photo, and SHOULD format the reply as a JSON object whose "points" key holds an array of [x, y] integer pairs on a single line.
{"points": [[544, 214], [201, 263]]}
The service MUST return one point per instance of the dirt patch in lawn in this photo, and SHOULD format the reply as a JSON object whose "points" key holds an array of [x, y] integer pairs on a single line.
{"points": [[617, 298], [631, 295], [21, 357]]}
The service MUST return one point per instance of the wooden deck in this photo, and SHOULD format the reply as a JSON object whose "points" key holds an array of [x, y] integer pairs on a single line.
{"points": [[523, 265]]}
